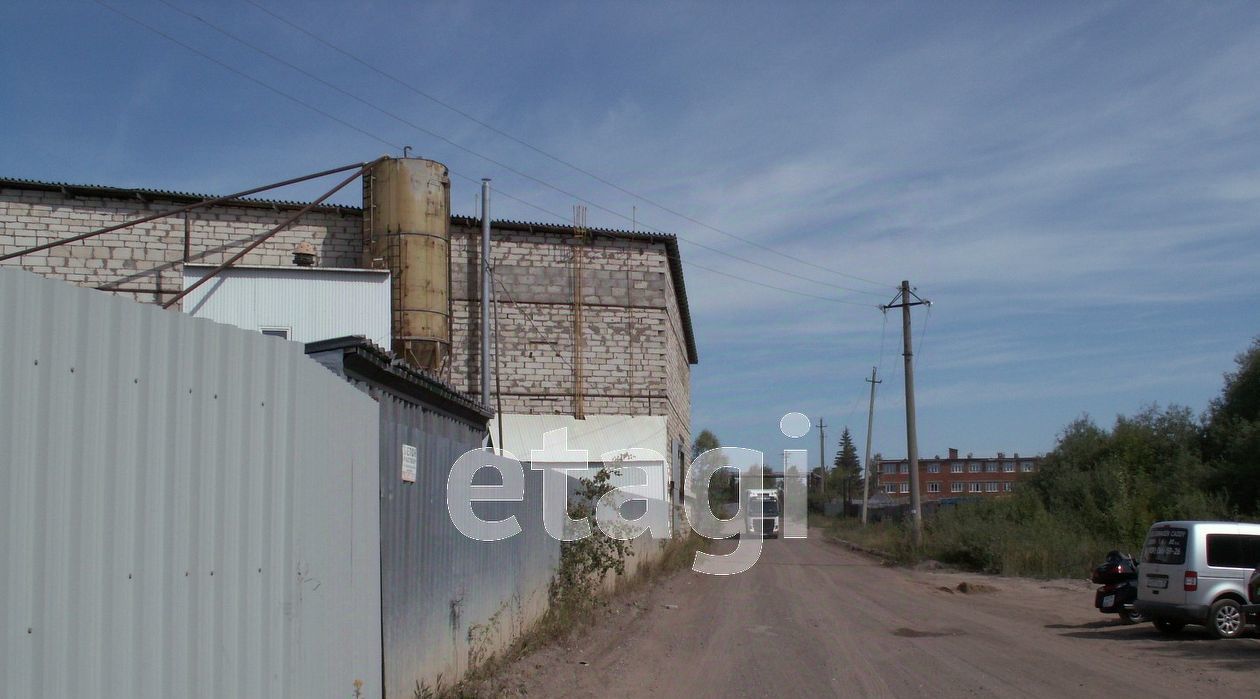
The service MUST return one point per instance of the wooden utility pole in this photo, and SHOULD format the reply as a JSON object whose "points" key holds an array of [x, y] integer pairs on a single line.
{"points": [[822, 458], [904, 299], [870, 422]]}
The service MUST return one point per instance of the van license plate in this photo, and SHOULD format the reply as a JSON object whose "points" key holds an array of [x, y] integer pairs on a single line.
{"points": [[1157, 583], [1109, 601]]}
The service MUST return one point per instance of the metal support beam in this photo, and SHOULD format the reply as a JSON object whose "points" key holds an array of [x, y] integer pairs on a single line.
{"points": [[485, 293], [180, 210], [264, 237]]}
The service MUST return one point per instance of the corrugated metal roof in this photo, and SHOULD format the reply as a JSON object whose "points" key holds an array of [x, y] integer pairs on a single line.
{"points": [[598, 435], [146, 195]]}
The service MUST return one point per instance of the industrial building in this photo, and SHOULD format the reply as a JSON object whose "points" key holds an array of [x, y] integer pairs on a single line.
{"points": [[378, 312], [591, 322]]}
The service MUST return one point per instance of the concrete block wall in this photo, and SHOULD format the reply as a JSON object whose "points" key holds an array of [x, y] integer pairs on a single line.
{"points": [[145, 262], [634, 358]]}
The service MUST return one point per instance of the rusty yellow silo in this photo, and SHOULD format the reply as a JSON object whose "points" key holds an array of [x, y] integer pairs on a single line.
{"points": [[407, 221]]}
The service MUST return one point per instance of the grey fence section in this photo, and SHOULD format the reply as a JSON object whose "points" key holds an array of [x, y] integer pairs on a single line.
{"points": [[448, 601], [189, 509]]}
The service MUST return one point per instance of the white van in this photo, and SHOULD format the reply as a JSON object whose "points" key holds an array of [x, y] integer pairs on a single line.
{"points": [[1196, 573]]}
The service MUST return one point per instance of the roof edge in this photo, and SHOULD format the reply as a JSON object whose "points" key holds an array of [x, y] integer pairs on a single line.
{"points": [[375, 363], [148, 195]]}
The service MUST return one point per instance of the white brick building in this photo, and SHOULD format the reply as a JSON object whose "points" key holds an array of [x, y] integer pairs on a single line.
{"points": [[637, 340]]}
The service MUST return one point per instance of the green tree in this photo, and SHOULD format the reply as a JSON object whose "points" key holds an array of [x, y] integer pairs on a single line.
{"points": [[1231, 440], [846, 476], [1115, 483], [705, 441]]}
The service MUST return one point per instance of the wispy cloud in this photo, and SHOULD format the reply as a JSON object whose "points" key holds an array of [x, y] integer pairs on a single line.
{"points": [[1075, 186]]}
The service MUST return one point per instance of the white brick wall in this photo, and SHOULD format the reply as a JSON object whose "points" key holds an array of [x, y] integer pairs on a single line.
{"points": [[150, 256], [634, 359]]}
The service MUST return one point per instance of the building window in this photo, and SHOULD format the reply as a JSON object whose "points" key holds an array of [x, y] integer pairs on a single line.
{"points": [[282, 333], [934, 487], [991, 487], [956, 487], [905, 468], [975, 487], [934, 468], [1008, 467], [890, 488], [890, 468], [991, 467], [1007, 486], [1026, 467], [975, 467], [955, 467], [905, 487]]}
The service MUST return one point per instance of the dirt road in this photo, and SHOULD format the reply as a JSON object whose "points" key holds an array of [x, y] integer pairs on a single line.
{"points": [[812, 619]]}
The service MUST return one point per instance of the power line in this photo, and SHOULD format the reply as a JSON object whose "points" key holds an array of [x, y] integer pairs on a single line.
{"points": [[398, 147], [922, 334], [529, 317], [433, 134], [548, 155], [248, 77], [883, 333], [689, 263]]}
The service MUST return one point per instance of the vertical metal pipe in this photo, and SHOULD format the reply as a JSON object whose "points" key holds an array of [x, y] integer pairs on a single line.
{"points": [[485, 292]]}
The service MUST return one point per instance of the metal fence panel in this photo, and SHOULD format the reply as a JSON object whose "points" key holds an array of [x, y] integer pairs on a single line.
{"points": [[189, 509], [448, 601]]}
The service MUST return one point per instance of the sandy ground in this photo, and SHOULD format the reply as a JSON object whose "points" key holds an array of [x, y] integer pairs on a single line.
{"points": [[813, 619]]}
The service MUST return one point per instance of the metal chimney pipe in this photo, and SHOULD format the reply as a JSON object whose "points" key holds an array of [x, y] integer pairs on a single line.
{"points": [[485, 292]]}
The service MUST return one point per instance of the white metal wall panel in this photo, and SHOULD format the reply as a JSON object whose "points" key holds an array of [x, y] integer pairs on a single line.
{"points": [[314, 303], [596, 434], [188, 510]]}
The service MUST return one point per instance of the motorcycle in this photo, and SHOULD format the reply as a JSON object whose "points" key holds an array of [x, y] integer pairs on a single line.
{"points": [[1118, 576]]}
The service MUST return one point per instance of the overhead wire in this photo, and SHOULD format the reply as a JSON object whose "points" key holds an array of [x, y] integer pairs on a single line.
{"points": [[595, 176], [247, 76], [922, 335], [396, 146], [529, 318], [689, 263], [490, 159]]}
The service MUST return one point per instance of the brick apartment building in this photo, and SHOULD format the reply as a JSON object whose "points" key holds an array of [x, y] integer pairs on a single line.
{"points": [[956, 476]]}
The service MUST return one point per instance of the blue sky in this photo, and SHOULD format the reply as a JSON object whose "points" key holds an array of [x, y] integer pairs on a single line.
{"points": [[1075, 186]]}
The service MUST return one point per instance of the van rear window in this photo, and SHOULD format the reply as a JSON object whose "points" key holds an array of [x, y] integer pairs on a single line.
{"points": [[1165, 546], [1233, 551]]}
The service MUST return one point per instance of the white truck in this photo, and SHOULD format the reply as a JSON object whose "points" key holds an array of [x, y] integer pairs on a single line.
{"points": [[762, 512]]}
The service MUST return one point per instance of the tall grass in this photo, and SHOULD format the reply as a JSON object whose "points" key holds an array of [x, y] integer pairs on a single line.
{"points": [[1014, 535], [1011, 536]]}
